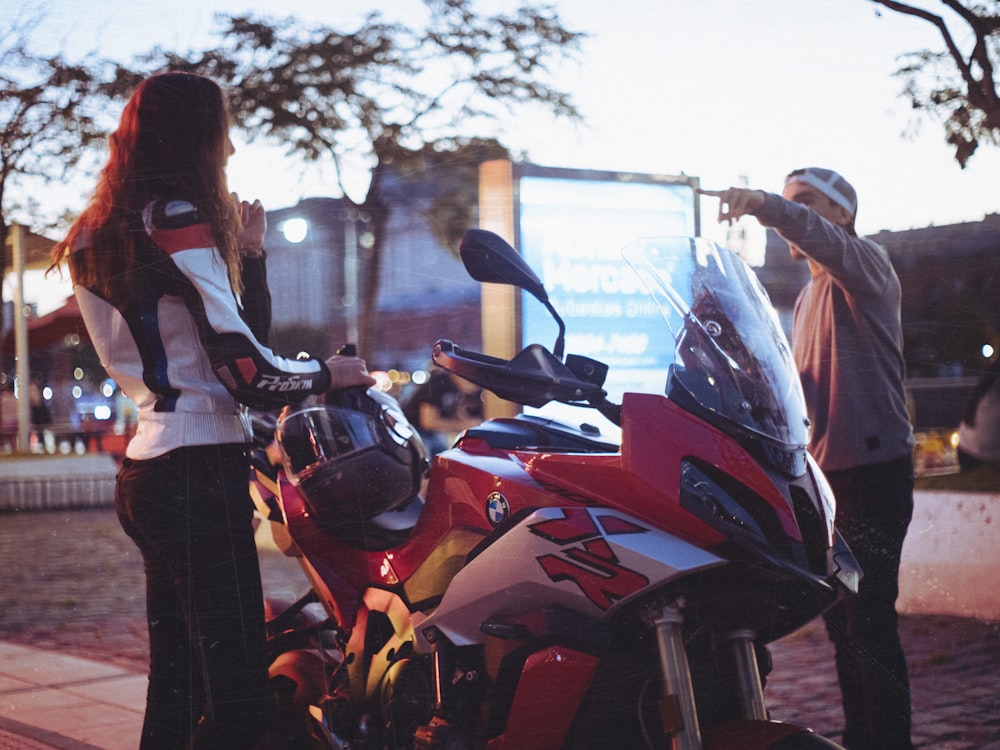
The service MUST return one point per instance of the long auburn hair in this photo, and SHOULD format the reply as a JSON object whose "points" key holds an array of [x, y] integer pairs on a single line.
{"points": [[172, 142]]}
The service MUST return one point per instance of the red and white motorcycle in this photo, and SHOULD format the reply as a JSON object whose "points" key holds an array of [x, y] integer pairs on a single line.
{"points": [[544, 587]]}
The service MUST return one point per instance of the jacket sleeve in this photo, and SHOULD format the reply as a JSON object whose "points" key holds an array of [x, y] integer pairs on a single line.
{"points": [[859, 264], [249, 370], [255, 302]]}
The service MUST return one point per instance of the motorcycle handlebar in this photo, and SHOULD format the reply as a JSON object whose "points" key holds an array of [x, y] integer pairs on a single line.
{"points": [[534, 377]]}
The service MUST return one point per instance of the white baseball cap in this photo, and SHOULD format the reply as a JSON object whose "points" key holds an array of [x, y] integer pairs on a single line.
{"points": [[829, 183]]}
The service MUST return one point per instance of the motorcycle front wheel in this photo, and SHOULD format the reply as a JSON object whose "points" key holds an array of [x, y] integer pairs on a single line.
{"points": [[766, 735]]}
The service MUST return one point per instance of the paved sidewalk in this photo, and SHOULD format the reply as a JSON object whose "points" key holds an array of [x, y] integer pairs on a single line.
{"points": [[954, 669], [50, 700]]}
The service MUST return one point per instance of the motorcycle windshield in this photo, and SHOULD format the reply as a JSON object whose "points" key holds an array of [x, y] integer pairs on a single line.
{"points": [[729, 352]]}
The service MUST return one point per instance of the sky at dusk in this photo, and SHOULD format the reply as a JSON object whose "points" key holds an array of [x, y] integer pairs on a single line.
{"points": [[718, 89]]}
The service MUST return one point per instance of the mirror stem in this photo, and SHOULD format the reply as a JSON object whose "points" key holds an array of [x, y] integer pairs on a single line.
{"points": [[557, 350]]}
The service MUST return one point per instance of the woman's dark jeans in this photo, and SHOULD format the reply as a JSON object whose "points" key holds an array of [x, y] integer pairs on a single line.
{"points": [[191, 516], [874, 508]]}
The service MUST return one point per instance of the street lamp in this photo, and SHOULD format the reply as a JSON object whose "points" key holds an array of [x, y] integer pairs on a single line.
{"points": [[294, 230]]}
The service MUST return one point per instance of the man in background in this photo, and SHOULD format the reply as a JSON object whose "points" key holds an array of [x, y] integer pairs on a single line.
{"points": [[847, 343]]}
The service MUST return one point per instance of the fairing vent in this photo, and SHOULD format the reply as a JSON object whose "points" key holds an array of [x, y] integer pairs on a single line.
{"points": [[730, 507], [813, 531]]}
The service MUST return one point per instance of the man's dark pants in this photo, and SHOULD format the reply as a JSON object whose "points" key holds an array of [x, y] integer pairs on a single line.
{"points": [[874, 508]]}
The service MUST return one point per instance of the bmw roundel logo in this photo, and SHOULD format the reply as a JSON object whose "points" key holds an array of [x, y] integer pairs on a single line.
{"points": [[497, 508]]}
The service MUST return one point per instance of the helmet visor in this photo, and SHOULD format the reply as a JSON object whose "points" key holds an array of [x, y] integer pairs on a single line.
{"points": [[316, 435]]}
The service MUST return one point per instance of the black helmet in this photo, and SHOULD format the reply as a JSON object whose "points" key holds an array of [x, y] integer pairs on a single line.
{"points": [[353, 458]]}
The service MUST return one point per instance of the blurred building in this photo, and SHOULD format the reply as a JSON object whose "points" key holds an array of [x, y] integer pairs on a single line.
{"points": [[951, 295], [317, 251]]}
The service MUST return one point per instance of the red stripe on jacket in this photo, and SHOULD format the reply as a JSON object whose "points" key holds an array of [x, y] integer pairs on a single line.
{"points": [[185, 238]]}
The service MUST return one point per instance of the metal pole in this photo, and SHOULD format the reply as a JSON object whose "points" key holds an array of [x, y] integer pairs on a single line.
{"points": [[23, 382], [350, 299]]}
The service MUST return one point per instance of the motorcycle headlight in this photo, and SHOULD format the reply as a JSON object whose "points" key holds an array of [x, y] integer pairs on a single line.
{"points": [[710, 501]]}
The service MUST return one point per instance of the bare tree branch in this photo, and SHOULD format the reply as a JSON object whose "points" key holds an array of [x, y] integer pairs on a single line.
{"points": [[971, 112]]}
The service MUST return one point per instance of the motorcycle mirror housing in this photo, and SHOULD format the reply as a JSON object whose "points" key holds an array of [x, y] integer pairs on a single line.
{"points": [[488, 258]]}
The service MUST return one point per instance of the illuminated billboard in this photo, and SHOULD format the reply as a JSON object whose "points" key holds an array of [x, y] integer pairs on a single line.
{"points": [[570, 226]]}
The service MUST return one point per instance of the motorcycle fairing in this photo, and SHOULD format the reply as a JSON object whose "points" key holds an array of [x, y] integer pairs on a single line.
{"points": [[588, 560], [651, 422], [367, 666], [539, 716]]}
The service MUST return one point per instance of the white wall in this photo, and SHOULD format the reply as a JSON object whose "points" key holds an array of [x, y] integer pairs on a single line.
{"points": [[951, 557]]}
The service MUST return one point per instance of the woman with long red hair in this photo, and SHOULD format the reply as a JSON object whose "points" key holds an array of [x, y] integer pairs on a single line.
{"points": [[168, 268]]}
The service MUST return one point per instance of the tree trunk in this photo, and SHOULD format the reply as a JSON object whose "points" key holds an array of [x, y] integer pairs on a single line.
{"points": [[378, 211], [371, 281]]}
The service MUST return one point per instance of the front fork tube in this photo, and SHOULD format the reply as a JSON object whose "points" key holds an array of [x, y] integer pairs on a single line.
{"points": [[749, 686], [678, 711]]}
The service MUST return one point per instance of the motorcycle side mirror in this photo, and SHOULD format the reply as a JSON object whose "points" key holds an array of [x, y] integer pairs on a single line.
{"points": [[488, 258]]}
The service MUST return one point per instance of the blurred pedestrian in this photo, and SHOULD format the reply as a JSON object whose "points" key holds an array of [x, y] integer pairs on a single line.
{"points": [[442, 407], [41, 419], [168, 268], [847, 342], [979, 430], [8, 415]]}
